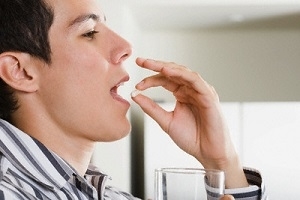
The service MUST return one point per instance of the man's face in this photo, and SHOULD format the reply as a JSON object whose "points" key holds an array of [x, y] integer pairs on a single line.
{"points": [[79, 87]]}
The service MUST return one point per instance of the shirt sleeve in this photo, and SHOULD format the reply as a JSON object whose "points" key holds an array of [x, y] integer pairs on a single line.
{"points": [[255, 191]]}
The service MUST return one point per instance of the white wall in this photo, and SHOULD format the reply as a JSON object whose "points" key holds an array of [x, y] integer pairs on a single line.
{"points": [[271, 137], [243, 65]]}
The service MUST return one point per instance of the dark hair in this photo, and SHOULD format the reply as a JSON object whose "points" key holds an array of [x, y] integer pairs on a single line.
{"points": [[24, 27]]}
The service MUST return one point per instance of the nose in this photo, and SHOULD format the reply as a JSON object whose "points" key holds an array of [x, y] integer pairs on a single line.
{"points": [[121, 49]]}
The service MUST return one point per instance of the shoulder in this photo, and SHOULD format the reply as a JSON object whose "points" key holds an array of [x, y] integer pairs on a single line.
{"points": [[14, 186], [8, 192], [10, 183]]}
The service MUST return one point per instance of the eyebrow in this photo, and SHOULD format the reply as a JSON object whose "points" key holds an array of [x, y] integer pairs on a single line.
{"points": [[83, 18]]}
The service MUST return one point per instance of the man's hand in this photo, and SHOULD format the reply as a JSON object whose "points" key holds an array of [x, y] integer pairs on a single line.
{"points": [[196, 124]]}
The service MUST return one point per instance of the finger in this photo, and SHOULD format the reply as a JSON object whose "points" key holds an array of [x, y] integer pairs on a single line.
{"points": [[151, 108], [178, 74], [154, 65], [182, 93], [156, 81]]}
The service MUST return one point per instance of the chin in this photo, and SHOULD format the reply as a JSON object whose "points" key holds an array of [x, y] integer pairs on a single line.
{"points": [[124, 132], [118, 134]]}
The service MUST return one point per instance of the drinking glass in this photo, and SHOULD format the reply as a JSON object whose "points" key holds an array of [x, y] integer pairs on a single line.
{"points": [[188, 184]]}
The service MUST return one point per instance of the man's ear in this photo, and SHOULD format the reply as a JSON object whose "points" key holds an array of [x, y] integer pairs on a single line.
{"points": [[18, 71]]}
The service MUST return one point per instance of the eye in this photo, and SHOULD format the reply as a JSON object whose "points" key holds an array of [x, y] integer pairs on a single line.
{"points": [[90, 34]]}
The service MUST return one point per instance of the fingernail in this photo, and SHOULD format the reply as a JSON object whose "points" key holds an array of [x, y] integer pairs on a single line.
{"points": [[151, 60], [134, 93]]}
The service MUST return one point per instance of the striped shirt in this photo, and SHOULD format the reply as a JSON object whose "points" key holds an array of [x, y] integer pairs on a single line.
{"points": [[28, 170]]}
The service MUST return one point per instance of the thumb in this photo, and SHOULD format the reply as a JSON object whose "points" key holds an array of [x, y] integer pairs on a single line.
{"points": [[161, 116]]}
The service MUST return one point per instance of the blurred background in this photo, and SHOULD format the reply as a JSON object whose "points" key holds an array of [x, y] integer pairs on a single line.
{"points": [[248, 50]]}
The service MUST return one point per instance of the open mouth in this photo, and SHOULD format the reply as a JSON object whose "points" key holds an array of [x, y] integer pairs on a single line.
{"points": [[114, 93], [114, 90]]}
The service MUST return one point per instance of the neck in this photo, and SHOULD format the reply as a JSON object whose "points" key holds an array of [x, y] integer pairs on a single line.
{"points": [[74, 149]]}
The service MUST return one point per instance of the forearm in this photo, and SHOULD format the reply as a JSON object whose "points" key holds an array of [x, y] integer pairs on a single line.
{"points": [[230, 164], [234, 174]]}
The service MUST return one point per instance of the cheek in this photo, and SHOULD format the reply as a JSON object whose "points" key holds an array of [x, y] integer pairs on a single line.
{"points": [[73, 88], [88, 88]]}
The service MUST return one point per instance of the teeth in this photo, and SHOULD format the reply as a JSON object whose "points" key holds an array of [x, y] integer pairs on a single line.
{"points": [[134, 93]]}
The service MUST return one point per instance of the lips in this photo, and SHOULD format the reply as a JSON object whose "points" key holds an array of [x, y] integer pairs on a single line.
{"points": [[114, 90]]}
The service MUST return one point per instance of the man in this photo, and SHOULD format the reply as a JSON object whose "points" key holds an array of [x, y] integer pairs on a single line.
{"points": [[60, 69]]}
